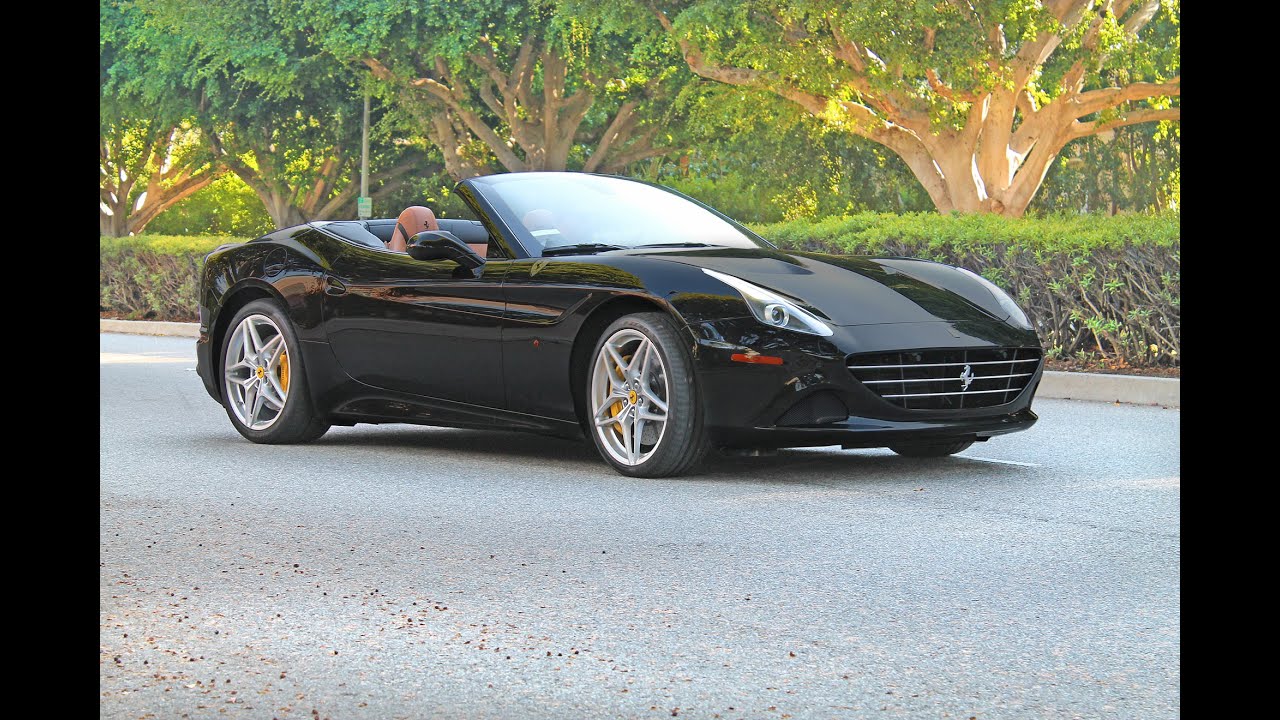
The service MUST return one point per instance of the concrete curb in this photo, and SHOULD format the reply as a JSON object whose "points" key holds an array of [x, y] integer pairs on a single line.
{"points": [[1133, 389], [149, 327]]}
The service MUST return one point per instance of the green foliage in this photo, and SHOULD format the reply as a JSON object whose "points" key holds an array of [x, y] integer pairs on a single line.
{"points": [[176, 245], [151, 153], [934, 81], [153, 277], [760, 159], [433, 191], [226, 207], [1093, 285], [466, 61], [1107, 288], [737, 195], [277, 84], [1137, 169], [929, 233], [279, 111]]}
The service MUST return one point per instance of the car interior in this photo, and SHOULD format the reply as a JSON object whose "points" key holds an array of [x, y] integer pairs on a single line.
{"points": [[378, 232]]}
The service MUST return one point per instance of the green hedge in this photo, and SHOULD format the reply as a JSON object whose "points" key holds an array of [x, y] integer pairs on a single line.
{"points": [[154, 277], [1098, 288], [1102, 289]]}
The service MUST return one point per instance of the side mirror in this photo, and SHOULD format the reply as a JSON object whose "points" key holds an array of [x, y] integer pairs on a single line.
{"points": [[442, 245]]}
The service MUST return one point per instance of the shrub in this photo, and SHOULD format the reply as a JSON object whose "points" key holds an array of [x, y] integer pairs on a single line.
{"points": [[154, 277], [1096, 287]]}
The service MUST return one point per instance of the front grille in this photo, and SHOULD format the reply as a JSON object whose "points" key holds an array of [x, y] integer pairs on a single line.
{"points": [[932, 379]]}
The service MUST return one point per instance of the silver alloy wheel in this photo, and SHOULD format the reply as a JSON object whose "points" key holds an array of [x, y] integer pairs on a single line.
{"points": [[256, 372], [629, 396]]}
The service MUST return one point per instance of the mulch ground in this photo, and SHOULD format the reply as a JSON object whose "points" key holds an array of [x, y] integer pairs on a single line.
{"points": [[1077, 366]]}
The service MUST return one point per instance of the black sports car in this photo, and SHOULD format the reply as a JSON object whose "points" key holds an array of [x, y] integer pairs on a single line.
{"points": [[584, 304]]}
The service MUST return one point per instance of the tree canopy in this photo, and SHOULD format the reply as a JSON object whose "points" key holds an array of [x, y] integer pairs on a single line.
{"points": [[151, 155], [977, 97], [507, 85], [771, 109]]}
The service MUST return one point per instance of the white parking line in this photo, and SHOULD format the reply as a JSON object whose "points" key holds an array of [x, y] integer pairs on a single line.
{"points": [[998, 462], [114, 358]]}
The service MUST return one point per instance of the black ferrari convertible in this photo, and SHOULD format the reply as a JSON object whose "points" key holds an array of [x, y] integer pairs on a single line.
{"points": [[576, 304]]}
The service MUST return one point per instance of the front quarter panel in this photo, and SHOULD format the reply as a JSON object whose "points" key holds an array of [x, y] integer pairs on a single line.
{"points": [[287, 265], [548, 300]]}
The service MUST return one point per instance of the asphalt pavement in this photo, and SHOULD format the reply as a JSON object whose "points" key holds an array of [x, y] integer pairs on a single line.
{"points": [[408, 572]]}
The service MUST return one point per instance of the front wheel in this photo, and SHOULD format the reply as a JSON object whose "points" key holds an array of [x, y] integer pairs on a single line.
{"points": [[931, 450], [642, 396], [264, 388]]}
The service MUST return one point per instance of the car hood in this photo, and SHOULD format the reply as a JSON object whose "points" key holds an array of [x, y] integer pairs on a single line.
{"points": [[854, 290]]}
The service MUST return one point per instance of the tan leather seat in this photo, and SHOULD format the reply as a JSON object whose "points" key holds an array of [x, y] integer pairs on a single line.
{"points": [[412, 221]]}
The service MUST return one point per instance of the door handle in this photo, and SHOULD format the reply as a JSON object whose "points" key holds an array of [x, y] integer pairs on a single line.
{"points": [[333, 286]]}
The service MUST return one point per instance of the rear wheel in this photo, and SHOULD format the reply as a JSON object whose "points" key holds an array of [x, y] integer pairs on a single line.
{"points": [[928, 450], [642, 396], [264, 388]]}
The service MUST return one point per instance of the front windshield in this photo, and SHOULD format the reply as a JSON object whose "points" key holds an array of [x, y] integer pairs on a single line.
{"points": [[554, 210]]}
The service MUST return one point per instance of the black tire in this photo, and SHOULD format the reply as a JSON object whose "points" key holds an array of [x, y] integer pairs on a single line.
{"points": [[685, 440], [297, 421], [931, 450]]}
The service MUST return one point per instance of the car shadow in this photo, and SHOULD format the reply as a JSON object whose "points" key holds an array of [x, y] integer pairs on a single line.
{"points": [[786, 466], [481, 442]]}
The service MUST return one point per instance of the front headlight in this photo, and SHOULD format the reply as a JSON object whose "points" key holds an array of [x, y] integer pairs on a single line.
{"points": [[772, 309], [1006, 303]]}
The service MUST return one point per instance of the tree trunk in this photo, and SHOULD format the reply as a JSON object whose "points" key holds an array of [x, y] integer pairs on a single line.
{"points": [[540, 129], [114, 225], [283, 213]]}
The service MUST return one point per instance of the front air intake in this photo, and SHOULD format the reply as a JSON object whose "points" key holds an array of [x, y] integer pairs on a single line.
{"points": [[949, 379], [819, 408]]}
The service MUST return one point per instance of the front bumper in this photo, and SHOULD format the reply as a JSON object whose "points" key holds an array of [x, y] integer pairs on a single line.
{"points": [[204, 358], [747, 405]]}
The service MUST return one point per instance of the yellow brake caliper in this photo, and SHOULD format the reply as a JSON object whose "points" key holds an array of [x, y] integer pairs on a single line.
{"points": [[284, 371]]}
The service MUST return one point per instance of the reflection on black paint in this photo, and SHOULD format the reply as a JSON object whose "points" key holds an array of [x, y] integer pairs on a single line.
{"points": [[408, 329]]}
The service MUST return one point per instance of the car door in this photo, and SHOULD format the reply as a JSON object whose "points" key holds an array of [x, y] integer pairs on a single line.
{"points": [[545, 302], [429, 328]]}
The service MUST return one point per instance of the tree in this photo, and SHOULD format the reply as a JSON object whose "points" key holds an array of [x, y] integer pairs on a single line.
{"points": [[150, 155], [147, 166], [300, 164], [977, 97], [276, 110], [515, 85], [1135, 168], [759, 158]]}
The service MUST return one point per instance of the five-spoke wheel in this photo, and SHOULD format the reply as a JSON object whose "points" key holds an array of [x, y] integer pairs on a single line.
{"points": [[256, 372], [263, 386], [642, 398], [629, 394]]}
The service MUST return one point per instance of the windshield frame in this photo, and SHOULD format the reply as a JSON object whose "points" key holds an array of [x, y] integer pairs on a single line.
{"points": [[515, 234]]}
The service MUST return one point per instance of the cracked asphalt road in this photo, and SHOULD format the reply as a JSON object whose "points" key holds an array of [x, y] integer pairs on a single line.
{"points": [[409, 572]]}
